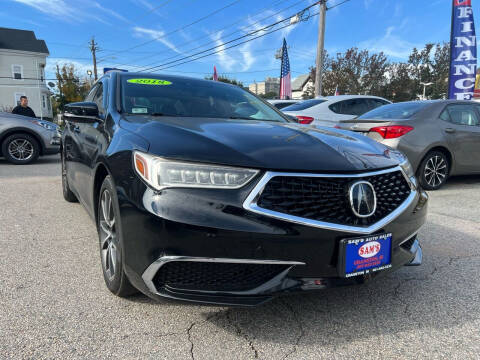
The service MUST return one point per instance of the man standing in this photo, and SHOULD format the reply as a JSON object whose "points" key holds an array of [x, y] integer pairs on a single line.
{"points": [[23, 108]]}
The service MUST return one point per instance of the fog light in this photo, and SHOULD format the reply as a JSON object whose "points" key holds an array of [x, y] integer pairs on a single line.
{"points": [[422, 201]]}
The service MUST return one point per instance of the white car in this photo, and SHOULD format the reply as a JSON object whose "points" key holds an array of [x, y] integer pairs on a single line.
{"points": [[329, 110]]}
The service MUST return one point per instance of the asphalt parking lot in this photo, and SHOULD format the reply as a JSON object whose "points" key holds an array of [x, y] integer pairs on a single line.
{"points": [[53, 302]]}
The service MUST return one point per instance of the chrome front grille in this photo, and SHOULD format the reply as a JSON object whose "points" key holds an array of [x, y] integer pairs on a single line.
{"points": [[321, 200]]}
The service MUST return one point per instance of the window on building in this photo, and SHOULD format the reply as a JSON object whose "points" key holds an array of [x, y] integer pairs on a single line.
{"points": [[17, 98], [44, 101], [17, 72]]}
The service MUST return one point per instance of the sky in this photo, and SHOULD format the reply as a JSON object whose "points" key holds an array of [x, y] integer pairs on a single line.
{"points": [[140, 34]]}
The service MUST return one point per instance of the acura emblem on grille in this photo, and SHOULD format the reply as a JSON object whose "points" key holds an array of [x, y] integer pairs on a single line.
{"points": [[363, 199]]}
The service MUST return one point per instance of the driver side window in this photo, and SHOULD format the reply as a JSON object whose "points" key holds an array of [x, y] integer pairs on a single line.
{"points": [[89, 97], [98, 98]]}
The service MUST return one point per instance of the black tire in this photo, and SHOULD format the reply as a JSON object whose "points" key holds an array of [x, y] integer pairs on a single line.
{"points": [[111, 251], [433, 170], [68, 195], [30, 150]]}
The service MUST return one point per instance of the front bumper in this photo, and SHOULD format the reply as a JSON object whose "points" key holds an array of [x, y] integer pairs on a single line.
{"points": [[51, 141], [208, 225]]}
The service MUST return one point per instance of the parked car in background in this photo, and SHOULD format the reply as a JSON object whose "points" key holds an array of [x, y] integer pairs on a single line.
{"points": [[280, 104], [23, 139], [329, 110], [200, 191], [440, 138]]}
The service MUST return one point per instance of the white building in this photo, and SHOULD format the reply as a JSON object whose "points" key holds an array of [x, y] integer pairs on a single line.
{"points": [[270, 85], [301, 85], [22, 71]]}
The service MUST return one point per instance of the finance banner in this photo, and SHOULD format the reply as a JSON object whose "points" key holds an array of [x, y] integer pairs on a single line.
{"points": [[463, 52]]}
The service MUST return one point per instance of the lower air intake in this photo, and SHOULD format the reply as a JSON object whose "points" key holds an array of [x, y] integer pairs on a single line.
{"points": [[215, 276]]}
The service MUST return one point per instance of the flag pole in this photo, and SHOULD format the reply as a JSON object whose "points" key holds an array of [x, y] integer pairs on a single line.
{"points": [[451, 49], [281, 66]]}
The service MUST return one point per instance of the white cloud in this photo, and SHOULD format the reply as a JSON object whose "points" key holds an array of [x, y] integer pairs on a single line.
{"points": [[110, 12], [367, 3], [226, 61], [144, 3], [64, 11], [81, 67], [247, 56], [157, 35], [52, 7], [391, 44]]}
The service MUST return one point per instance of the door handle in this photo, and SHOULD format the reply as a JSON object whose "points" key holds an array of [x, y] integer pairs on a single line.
{"points": [[450, 130]]}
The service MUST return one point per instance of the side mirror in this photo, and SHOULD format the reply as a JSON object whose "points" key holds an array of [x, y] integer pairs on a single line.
{"points": [[83, 112]]}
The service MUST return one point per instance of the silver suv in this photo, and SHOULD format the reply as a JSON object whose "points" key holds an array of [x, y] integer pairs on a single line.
{"points": [[23, 139]]}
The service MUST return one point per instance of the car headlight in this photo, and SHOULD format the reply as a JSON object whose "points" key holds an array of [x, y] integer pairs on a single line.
{"points": [[161, 173], [407, 168], [45, 124]]}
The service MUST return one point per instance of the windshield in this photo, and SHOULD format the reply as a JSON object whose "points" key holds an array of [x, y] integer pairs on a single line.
{"points": [[399, 111], [176, 96], [303, 105]]}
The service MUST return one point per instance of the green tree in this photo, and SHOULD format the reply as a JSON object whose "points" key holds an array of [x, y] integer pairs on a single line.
{"points": [[441, 68], [70, 87], [269, 95], [399, 86], [226, 79]]}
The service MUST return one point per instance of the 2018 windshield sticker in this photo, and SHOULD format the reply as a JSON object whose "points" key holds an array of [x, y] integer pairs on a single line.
{"points": [[149, 81]]}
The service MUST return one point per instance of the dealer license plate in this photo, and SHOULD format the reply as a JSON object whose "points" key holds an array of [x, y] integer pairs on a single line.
{"points": [[364, 255]]}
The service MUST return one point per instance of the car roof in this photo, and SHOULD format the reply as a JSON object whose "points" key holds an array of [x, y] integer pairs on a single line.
{"points": [[437, 101]]}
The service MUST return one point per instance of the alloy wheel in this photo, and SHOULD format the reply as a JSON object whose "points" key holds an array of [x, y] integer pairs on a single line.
{"points": [[21, 149], [436, 171], [108, 236]]}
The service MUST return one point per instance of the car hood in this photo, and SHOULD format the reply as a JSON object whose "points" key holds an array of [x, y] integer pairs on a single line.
{"points": [[259, 144]]}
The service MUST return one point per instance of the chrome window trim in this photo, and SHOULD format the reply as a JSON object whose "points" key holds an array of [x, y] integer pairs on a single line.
{"points": [[250, 202], [150, 272]]}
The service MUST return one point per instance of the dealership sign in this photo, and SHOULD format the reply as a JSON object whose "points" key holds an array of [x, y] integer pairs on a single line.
{"points": [[463, 52]]}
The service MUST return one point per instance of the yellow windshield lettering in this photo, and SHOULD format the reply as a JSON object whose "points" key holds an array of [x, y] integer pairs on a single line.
{"points": [[149, 81]]}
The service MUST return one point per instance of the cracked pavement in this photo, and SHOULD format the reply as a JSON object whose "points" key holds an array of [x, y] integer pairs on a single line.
{"points": [[53, 302]]}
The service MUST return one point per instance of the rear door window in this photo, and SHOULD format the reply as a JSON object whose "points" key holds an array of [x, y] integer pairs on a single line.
{"points": [[350, 107], [462, 114], [304, 105], [282, 105], [374, 103]]}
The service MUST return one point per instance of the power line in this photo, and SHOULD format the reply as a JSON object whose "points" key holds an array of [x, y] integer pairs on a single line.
{"points": [[180, 28], [229, 47], [334, 6], [225, 36], [301, 12]]}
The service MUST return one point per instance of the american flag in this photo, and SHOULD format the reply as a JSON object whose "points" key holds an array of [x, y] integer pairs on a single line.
{"points": [[285, 78]]}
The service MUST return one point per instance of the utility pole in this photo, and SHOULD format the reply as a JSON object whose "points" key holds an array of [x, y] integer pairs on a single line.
{"points": [[320, 47], [93, 49]]}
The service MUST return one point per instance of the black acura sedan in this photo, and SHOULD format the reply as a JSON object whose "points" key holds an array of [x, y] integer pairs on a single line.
{"points": [[201, 191]]}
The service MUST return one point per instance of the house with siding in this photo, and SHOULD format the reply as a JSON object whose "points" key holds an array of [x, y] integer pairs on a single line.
{"points": [[22, 71], [301, 85]]}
